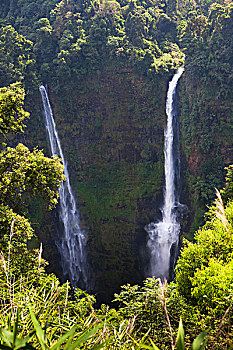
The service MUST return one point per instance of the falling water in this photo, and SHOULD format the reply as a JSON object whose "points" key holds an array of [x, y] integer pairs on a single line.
{"points": [[164, 235], [71, 243]]}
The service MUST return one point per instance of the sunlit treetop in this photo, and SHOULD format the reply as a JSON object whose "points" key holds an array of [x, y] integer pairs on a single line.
{"points": [[12, 114]]}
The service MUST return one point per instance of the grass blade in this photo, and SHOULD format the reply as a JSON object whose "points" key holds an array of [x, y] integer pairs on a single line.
{"points": [[180, 337], [15, 328], [154, 346], [143, 346], [85, 337], [39, 330], [70, 334], [100, 346], [197, 343], [7, 336]]}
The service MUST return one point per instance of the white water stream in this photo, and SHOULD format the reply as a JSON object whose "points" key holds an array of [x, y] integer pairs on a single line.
{"points": [[71, 243], [165, 234]]}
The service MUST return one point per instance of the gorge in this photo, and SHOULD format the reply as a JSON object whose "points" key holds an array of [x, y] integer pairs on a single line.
{"points": [[163, 236], [112, 233], [107, 66]]}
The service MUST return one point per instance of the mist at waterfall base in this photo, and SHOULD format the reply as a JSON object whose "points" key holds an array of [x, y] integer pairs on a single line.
{"points": [[163, 237], [72, 240]]}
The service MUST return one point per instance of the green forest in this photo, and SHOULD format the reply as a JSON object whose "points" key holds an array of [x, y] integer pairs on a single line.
{"points": [[107, 66]]}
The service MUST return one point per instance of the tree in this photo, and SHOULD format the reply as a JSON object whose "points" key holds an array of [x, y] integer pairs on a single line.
{"points": [[24, 171], [204, 273], [227, 193], [15, 55], [23, 174], [12, 115]]}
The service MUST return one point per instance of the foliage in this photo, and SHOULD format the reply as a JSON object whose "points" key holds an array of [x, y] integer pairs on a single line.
{"points": [[77, 38], [16, 57], [41, 315], [143, 303], [146, 315], [39, 305], [206, 103], [197, 257], [204, 274], [88, 44], [22, 170], [227, 193], [15, 232], [11, 109], [13, 341], [23, 174], [198, 343]]}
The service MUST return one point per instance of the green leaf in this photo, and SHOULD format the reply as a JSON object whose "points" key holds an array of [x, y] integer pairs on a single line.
{"points": [[100, 346], [197, 343], [15, 328], [7, 336], [68, 343], [39, 330], [180, 337], [21, 343], [9, 320], [69, 334], [154, 346], [85, 337], [142, 346]]}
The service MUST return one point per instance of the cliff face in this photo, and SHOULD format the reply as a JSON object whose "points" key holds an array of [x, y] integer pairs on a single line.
{"points": [[206, 141], [206, 106], [111, 127]]}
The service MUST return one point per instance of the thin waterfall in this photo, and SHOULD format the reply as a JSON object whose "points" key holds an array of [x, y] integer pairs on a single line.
{"points": [[71, 243], [164, 235]]}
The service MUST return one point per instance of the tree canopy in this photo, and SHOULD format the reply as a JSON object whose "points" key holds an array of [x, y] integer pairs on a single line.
{"points": [[24, 174]]}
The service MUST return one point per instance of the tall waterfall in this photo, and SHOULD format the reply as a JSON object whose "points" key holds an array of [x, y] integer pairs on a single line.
{"points": [[71, 243], [164, 235]]}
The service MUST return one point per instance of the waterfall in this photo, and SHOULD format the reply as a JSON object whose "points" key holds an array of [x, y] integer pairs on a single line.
{"points": [[164, 235], [71, 243]]}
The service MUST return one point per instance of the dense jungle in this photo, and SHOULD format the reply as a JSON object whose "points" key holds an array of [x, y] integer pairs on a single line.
{"points": [[106, 66]]}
